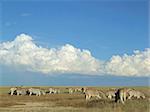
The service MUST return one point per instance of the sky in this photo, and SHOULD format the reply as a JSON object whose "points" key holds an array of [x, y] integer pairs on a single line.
{"points": [[97, 43]]}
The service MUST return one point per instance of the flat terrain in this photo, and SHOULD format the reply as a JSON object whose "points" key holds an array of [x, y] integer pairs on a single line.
{"points": [[65, 102]]}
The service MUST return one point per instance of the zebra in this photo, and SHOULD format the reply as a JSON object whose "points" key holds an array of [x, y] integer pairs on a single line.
{"points": [[121, 95], [37, 92], [21, 91], [92, 93], [71, 90], [136, 94], [13, 90], [111, 94]]}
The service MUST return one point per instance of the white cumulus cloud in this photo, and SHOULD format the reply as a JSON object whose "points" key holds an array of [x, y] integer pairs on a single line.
{"points": [[23, 53], [137, 64]]}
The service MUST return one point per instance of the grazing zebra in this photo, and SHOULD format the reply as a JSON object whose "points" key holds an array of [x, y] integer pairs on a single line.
{"points": [[21, 91], [71, 90], [54, 91], [43, 92], [135, 94], [102, 94], [121, 95], [84, 89], [37, 92], [13, 90], [78, 90], [92, 93], [51, 90], [111, 94]]}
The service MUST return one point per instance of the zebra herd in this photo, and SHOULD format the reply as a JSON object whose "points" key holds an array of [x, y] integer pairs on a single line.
{"points": [[117, 95], [32, 91]]}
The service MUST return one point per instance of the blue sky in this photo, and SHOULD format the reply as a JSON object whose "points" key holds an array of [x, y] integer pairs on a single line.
{"points": [[105, 28]]}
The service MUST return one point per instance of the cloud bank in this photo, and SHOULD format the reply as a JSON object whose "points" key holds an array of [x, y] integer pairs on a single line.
{"points": [[23, 53], [137, 64]]}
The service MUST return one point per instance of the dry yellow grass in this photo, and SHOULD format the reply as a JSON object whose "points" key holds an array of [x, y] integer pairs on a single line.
{"points": [[69, 103]]}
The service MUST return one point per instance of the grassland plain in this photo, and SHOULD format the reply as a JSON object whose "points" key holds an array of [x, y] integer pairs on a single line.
{"points": [[64, 102]]}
